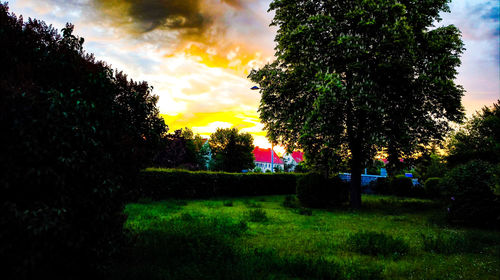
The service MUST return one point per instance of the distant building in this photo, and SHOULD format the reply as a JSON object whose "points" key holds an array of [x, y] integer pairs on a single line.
{"points": [[293, 159], [267, 159]]}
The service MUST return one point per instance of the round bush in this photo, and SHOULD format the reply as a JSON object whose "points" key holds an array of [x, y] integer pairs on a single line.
{"points": [[380, 186], [316, 191], [469, 193], [401, 186], [432, 187]]}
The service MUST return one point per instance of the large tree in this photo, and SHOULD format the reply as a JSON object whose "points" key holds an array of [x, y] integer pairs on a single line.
{"points": [[354, 76], [478, 139], [75, 134], [231, 150]]}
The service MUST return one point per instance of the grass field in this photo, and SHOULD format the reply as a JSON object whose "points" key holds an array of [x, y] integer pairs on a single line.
{"points": [[259, 238]]}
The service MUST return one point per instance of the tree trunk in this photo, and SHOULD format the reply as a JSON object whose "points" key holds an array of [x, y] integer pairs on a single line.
{"points": [[356, 176], [394, 166]]}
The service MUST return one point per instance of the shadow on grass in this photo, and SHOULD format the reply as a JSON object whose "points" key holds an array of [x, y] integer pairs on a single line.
{"points": [[192, 246]]}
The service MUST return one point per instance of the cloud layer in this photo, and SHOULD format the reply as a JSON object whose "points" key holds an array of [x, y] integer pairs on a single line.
{"points": [[197, 53]]}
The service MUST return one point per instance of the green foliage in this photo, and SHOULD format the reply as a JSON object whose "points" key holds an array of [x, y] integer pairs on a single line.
{"points": [[232, 151], [445, 243], [78, 134], [228, 203], [169, 183], [316, 191], [352, 75], [257, 170], [469, 193], [479, 139], [291, 201], [251, 203], [377, 244], [381, 186], [432, 187], [374, 168], [401, 186], [182, 149], [257, 215]]}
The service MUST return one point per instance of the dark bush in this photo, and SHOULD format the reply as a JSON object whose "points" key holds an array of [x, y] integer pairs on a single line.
{"points": [[76, 134], [432, 187], [381, 186], [401, 186], [291, 201], [446, 243], [375, 243], [162, 184], [469, 194], [257, 216], [316, 191]]}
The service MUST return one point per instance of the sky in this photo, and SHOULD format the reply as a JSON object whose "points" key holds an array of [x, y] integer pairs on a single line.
{"points": [[197, 53]]}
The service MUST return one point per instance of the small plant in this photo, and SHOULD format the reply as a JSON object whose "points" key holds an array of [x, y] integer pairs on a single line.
{"points": [[228, 203], [401, 186], [252, 204], [375, 244], [432, 187], [257, 216], [291, 201], [445, 243]]}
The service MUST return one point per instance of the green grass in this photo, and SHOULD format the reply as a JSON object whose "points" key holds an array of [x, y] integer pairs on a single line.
{"points": [[389, 238]]}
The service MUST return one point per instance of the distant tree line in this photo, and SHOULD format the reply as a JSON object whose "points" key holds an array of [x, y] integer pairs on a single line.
{"points": [[225, 150]]}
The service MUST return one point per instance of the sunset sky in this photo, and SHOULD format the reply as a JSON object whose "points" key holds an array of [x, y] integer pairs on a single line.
{"points": [[197, 53]]}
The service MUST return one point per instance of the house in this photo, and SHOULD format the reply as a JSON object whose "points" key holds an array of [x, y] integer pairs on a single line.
{"points": [[267, 159], [293, 159]]}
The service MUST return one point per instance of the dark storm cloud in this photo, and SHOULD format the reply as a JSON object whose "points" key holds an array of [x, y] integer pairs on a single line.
{"points": [[195, 17]]}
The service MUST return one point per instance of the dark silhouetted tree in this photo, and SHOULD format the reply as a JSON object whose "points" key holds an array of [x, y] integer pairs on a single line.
{"points": [[75, 135], [478, 139], [232, 151]]}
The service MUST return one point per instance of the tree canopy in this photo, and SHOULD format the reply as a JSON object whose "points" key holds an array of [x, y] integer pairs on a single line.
{"points": [[231, 151], [354, 76], [75, 134], [478, 139]]}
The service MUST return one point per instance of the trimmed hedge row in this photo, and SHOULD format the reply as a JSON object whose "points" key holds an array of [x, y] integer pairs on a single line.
{"points": [[168, 183]]}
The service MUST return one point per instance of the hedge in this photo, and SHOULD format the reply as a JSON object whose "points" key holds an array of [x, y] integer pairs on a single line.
{"points": [[170, 183]]}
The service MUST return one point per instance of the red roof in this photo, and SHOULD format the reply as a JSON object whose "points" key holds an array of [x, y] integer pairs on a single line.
{"points": [[298, 156], [264, 155], [386, 160]]}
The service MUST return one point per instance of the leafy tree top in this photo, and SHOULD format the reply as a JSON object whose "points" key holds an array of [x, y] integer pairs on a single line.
{"points": [[352, 76]]}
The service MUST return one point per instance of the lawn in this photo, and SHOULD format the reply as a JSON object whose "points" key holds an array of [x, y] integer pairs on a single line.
{"points": [[259, 238]]}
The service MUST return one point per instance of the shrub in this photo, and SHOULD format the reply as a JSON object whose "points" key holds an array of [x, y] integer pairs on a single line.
{"points": [[162, 184], [228, 203], [251, 204], [374, 243], [78, 133], [449, 243], [316, 191], [381, 186], [257, 216], [469, 193], [401, 186], [432, 187], [291, 201]]}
